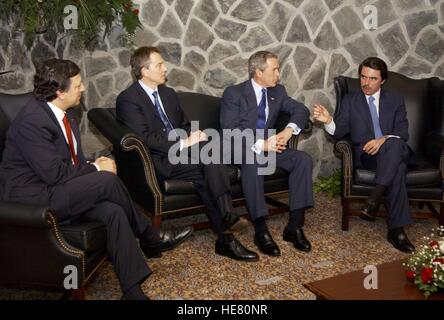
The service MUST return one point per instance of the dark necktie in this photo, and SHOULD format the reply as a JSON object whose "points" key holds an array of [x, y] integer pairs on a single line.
{"points": [[162, 114], [260, 124], [375, 118], [70, 141]]}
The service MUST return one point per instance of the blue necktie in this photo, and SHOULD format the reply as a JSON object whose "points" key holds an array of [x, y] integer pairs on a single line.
{"points": [[375, 118], [162, 114], [260, 124]]}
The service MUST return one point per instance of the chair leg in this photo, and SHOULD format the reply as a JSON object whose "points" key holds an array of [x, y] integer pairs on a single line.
{"points": [[441, 214], [156, 221], [345, 213]]}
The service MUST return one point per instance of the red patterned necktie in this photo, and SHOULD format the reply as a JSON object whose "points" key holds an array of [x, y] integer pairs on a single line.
{"points": [[70, 142]]}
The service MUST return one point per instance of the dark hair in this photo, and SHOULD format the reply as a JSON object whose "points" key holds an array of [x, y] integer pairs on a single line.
{"points": [[140, 59], [258, 60], [53, 75], [375, 64]]}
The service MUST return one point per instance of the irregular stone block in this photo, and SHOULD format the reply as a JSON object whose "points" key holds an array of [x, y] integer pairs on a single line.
{"points": [[152, 11], [170, 27], [393, 43], [298, 31], [277, 20], [198, 35], [251, 10], [181, 78], [171, 52], [255, 38], [207, 11], [219, 78], [229, 30], [327, 38], [221, 51]]}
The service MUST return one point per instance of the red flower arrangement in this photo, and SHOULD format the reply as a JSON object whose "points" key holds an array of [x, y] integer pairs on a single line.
{"points": [[426, 267]]}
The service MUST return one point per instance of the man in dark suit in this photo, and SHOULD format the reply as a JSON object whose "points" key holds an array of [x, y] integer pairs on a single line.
{"points": [[377, 123], [43, 163], [255, 104], [153, 111]]}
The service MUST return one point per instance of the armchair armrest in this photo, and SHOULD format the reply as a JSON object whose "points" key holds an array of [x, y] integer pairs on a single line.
{"points": [[24, 215], [124, 139], [344, 147]]}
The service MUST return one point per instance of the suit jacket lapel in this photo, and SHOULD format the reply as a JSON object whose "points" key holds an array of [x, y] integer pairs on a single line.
{"points": [[272, 107], [146, 100], [251, 100], [383, 110], [365, 113], [53, 118]]}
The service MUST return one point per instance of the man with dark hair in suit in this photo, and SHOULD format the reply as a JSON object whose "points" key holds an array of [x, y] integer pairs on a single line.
{"points": [[153, 111], [43, 163], [376, 121], [256, 104]]}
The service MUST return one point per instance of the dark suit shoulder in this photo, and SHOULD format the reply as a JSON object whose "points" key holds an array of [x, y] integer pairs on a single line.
{"points": [[33, 112], [236, 89], [130, 92]]}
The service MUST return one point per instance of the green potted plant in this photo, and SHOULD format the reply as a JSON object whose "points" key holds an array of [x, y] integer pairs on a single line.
{"points": [[95, 17]]}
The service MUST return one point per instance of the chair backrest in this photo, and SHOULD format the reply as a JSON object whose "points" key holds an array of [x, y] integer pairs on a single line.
{"points": [[205, 109], [10, 105], [420, 101]]}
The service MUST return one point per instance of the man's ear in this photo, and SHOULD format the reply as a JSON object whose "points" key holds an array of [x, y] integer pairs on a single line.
{"points": [[60, 94]]}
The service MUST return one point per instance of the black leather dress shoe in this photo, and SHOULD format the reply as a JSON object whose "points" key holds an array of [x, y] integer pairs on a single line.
{"points": [[230, 220], [235, 250], [266, 244], [298, 239], [398, 238], [368, 212], [169, 239]]}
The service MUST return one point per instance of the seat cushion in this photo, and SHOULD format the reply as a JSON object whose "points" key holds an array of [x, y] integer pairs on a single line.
{"points": [[185, 187], [87, 236], [415, 178]]}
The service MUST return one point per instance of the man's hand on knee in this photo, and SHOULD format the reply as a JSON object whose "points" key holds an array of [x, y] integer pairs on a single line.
{"points": [[106, 164], [372, 147]]}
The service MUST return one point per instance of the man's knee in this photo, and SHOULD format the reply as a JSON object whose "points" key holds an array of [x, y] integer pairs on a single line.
{"points": [[303, 159], [108, 212]]}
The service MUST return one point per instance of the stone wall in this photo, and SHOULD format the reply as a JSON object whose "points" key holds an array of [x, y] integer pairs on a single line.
{"points": [[207, 42]]}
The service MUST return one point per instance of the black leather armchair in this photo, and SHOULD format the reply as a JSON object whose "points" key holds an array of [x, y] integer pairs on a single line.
{"points": [[173, 197], [425, 106], [34, 247]]}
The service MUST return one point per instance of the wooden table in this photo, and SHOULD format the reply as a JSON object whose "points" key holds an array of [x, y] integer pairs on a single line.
{"points": [[392, 285]]}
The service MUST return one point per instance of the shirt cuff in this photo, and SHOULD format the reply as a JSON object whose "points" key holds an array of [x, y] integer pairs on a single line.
{"points": [[294, 126], [392, 136], [96, 165], [331, 127], [258, 146]]}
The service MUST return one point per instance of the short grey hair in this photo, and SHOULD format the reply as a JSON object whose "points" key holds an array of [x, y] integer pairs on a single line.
{"points": [[259, 61]]}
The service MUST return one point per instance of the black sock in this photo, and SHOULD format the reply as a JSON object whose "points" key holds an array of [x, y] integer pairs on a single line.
{"points": [[260, 227], [135, 293], [225, 237], [150, 235], [295, 219]]}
